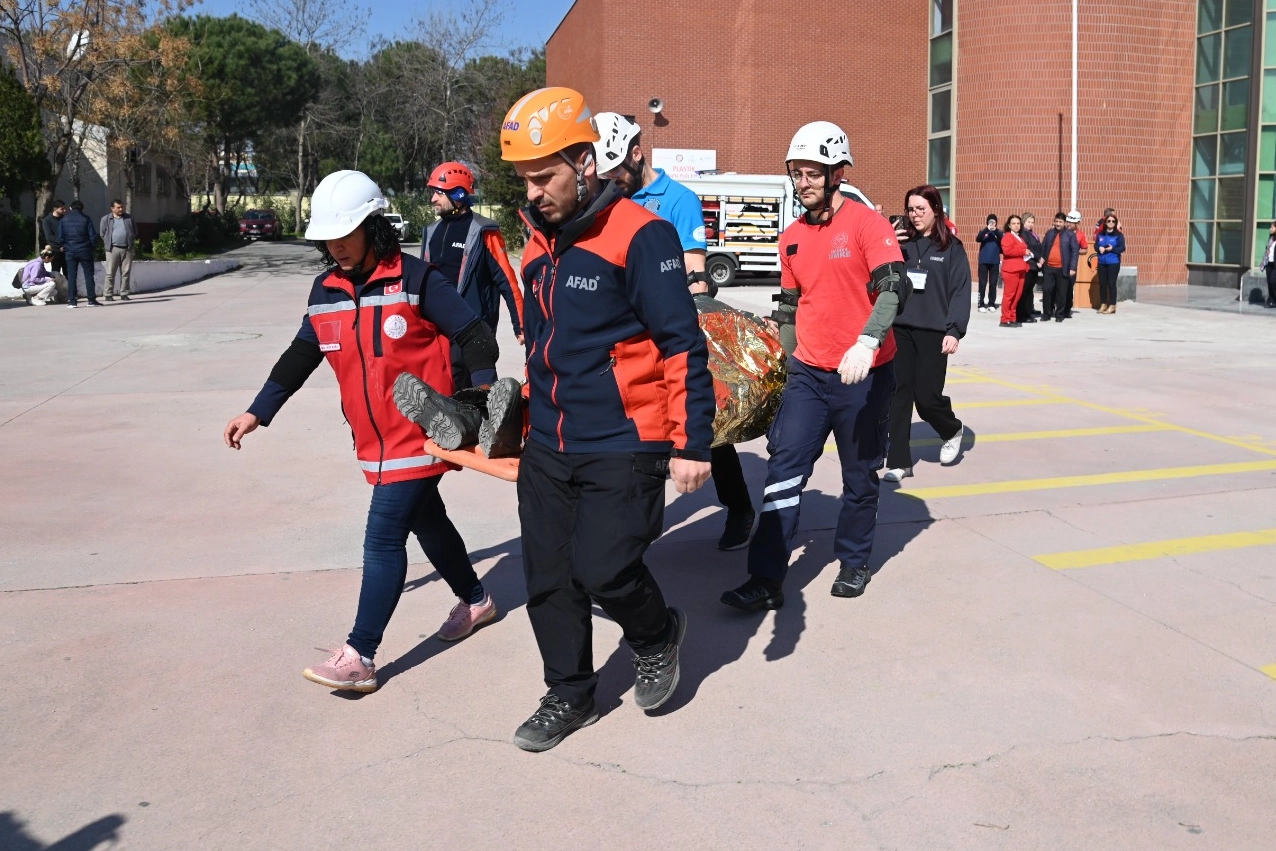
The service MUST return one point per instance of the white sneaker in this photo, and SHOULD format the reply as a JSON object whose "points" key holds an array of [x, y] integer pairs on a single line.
{"points": [[951, 447], [39, 302], [897, 474]]}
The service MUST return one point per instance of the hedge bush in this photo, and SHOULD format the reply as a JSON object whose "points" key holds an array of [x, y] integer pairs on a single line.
{"points": [[17, 236]]}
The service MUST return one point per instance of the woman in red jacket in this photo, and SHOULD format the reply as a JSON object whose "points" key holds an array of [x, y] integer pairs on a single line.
{"points": [[1014, 267]]}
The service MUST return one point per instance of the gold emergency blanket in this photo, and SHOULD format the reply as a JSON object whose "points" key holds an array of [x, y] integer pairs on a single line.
{"points": [[747, 364]]}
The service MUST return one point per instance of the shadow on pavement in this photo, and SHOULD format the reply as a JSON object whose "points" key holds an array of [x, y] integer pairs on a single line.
{"points": [[14, 837]]}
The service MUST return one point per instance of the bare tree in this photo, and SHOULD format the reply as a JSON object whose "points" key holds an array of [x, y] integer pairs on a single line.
{"points": [[318, 26]]}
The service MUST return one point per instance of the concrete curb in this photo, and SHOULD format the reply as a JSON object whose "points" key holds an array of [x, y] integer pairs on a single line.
{"points": [[148, 275]]}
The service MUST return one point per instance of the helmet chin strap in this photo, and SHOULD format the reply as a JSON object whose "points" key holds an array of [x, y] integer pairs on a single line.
{"points": [[582, 188]]}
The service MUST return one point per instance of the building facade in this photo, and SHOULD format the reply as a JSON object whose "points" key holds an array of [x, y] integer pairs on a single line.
{"points": [[1173, 126]]}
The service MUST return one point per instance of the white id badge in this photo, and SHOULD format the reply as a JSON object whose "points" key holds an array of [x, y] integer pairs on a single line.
{"points": [[918, 278]]}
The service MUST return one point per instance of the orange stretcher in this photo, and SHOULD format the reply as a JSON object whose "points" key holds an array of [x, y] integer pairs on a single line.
{"points": [[473, 458]]}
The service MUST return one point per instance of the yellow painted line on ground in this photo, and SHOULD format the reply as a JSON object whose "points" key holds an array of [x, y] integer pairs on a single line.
{"points": [[1269, 670], [1157, 549], [1020, 485], [1012, 403], [967, 380], [1008, 436], [1126, 414]]}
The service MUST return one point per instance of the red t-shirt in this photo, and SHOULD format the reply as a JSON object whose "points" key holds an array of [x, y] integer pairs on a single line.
{"points": [[831, 264]]}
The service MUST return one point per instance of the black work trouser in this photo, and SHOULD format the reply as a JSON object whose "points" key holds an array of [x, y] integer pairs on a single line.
{"points": [[988, 277], [920, 369], [1027, 303], [1108, 273], [1054, 290], [587, 520], [728, 479]]}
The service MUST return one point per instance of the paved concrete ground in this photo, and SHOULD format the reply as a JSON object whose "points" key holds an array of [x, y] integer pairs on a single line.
{"points": [[1069, 643]]}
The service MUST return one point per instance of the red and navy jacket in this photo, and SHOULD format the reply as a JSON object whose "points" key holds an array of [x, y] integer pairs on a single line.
{"points": [[400, 320], [616, 361]]}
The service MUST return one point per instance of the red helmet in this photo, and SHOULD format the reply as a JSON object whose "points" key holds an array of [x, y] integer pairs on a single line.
{"points": [[450, 176]]}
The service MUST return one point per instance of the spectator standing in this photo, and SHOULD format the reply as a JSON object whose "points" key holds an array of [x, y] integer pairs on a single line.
{"points": [[1013, 269], [1269, 265], [1026, 310], [620, 160], [39, 286], [989, 240], [470, 252], [1110, 245], [1061, 252], [927, 331], [119, 235], [51, 225], [79, 238], [1074, 225]]}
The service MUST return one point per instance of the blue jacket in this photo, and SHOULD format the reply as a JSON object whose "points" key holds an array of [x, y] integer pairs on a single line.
{"points": [[77, 234], [1069, 248], [989, 240], [1117, 243]]}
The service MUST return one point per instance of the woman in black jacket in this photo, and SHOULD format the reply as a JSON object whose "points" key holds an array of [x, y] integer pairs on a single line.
{"points": [[927, 330]]}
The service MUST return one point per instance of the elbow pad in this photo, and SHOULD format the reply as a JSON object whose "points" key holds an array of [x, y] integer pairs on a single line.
{"points": [[478, 346], [892, 278]]}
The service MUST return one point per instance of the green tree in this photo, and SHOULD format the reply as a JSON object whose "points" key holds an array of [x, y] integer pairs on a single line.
{"points": [[252, 79], [22, 160], [499, 184]]}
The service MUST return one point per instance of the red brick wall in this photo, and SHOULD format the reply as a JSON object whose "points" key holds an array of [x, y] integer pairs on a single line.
{"points": [[741, 78], [1136, 65]]}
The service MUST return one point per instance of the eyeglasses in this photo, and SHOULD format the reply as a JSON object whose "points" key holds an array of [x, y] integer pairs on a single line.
{"points": [[920, 209], [811, 178], [1110, 221]]}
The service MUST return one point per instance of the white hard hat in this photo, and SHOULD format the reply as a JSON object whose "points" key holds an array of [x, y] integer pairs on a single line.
{"points": [[1074, 216], [341, 202], [616, 135], [821, 142]]}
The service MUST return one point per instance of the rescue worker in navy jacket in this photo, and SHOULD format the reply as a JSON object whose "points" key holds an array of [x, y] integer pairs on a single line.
{"points": [[470, 252], [376, 313], [618, 382]]}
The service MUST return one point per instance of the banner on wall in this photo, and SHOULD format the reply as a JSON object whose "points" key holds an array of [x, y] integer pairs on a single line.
{"points": [[684, 163]]}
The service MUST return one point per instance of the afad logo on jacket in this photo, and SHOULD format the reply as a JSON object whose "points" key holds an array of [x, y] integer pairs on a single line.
{"points": [[579, 282]]}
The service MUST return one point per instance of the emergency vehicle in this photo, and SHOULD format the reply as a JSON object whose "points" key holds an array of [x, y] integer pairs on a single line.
{"points": [[743, 217]]}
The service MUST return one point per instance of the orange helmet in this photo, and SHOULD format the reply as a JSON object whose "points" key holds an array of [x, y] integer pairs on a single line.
{"points": [[450, 176], [545, 122]]}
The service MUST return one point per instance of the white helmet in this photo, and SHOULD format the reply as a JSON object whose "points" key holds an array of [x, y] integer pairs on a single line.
{"points": [[616, 135], [821, 142], [1074, 217], [341, 202]]}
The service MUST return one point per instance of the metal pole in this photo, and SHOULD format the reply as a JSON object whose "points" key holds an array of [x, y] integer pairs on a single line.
{"points": [[1074, 105]]}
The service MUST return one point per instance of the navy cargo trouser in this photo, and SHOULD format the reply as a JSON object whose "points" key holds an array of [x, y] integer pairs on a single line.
{"points": [[817, 403]]}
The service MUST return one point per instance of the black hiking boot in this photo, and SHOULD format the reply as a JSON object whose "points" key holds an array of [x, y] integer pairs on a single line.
{"points": [[447, 422], [554, 721], [851, 581], [501, 435], [756, 595], [658, 673]]}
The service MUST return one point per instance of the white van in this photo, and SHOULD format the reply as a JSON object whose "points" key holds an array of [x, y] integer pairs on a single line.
{"points": [[743, 217]]}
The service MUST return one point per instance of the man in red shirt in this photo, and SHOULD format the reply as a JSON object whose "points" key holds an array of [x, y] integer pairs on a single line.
{"points": [[845, 261]]}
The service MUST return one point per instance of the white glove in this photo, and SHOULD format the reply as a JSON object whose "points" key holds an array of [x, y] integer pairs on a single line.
{"points": [[857, 361]]}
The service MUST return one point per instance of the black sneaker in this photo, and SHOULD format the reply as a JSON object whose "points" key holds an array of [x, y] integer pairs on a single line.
{"points": [[738, 530], [658, 673], [447, 422], [501, 434], [554, 721], [756, 595], [851, 581], [124, 297]]}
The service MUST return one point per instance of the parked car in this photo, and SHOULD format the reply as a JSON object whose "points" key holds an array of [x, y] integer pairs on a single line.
{"points": [[260, 224], [400, 224]]}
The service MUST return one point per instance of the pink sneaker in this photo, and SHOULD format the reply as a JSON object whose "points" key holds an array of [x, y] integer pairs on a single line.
{"points": [[345, 670], [464, 619]]}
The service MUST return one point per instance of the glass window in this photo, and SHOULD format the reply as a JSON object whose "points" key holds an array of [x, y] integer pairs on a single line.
{"points": [[1237, 52], [947, 199], [940, 160], [1202, 199], [1269, 49], [1265, 209], [941, 111], [1204, 161], [1228, 247], [1267, 150], [1235, 113], [1231, 198], [1239, 12], [1209, 15], [1208, 58], [941, 17], [1260, 242], [1231, 153], [1200, 242], [1207, 110], [941, 60]]}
